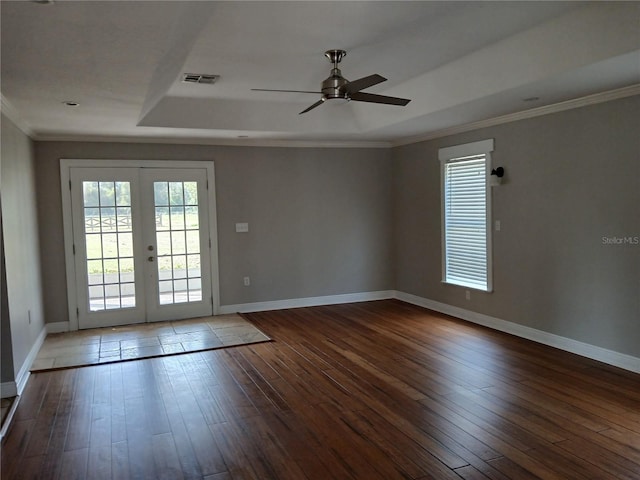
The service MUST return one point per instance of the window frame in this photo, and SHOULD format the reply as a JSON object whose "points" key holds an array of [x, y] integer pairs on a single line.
{"points": [[448, 155]]}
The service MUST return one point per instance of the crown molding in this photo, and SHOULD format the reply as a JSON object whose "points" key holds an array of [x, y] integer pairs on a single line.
{"points": [[531, 113], [12, 114], [222, 142]]}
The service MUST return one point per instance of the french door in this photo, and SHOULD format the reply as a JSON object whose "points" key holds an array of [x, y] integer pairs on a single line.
{"points": [[141, 242]]}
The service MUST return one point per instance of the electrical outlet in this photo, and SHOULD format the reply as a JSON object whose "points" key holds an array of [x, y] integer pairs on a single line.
{"points": [[247, 281], [497, 225], [467, 294]]}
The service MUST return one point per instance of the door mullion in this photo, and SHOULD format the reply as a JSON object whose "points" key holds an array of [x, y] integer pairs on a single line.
{"points": [[148, 243]]}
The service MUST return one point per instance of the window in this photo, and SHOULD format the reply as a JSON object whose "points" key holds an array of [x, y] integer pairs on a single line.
{"points": [[466, 207]]}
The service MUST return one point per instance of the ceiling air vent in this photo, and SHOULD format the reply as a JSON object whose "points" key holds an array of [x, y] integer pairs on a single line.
{"points": [[200, 78]]}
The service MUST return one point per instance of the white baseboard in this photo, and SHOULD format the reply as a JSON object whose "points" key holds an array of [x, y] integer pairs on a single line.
{"points": [[23, 373], [593, 352], [9, 418], [306, 302], [8, 389], [15, 389], [57, 327]]}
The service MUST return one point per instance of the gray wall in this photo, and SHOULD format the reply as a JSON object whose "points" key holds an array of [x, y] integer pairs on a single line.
{"points": [[21, 248], [333, 221], [320, 219], [572, 178], [6, 351]]}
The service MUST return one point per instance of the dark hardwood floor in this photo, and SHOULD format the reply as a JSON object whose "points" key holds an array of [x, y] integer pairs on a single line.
{"points": [[378, 390]]}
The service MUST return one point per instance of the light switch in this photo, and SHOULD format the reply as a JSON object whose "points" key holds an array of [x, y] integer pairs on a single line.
{"points": [[242, 227]]}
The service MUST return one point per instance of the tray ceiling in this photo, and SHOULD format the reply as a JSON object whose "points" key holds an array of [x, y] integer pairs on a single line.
{"points": [[459, 63]]}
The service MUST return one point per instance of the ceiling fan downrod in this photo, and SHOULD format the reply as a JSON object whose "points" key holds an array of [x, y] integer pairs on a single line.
{"points": [[335, 56]]}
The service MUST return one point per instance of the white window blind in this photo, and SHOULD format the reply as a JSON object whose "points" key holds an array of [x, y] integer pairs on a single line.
{"points": [[465, 220]]}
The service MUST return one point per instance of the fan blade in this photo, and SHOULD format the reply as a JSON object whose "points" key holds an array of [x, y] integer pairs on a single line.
{"points": [[317, 104], [373, 98], [364, 82], [286, 91]]}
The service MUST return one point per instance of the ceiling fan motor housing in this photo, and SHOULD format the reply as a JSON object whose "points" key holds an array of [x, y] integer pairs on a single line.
{"points": [[333, 86]]}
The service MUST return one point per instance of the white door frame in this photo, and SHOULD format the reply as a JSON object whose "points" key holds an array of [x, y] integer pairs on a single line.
{"points": [[67, 219]]}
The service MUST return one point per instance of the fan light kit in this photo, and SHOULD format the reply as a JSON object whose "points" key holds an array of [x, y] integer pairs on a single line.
{"points": [[336, 87]]}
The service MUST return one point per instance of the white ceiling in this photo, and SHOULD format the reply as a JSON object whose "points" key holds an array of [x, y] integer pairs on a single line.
{"points": [[459, 63]]}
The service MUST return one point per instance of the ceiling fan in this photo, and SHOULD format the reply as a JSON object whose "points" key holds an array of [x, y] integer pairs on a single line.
{"points": [[337, 87]]}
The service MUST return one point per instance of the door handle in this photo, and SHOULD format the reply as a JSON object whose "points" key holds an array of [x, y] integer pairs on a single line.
{"points": [[150, 259]]}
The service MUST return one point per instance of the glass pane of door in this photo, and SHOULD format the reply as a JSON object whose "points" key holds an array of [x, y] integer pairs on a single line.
{"points": [[177, 229], [109, 245]]}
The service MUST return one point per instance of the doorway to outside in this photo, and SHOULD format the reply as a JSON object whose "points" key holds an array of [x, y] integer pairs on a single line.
{"points": [[140, 241]]}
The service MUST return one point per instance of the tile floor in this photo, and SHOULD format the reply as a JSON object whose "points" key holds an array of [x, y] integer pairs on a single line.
{"points": [[114, 344]]}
